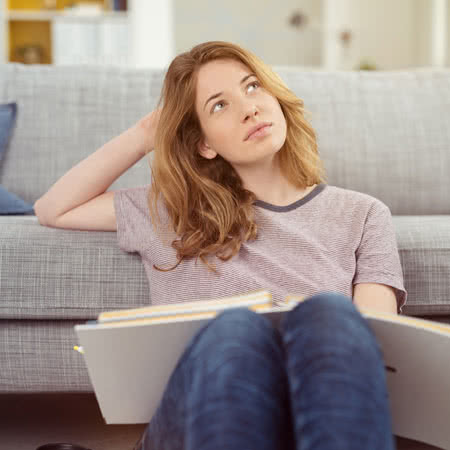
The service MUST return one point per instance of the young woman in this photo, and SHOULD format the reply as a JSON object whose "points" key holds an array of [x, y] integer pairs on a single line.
{"points": [[236, 178]]}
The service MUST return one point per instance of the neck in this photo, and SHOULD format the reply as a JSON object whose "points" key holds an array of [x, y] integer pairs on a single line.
{"points": [[270, 185]]}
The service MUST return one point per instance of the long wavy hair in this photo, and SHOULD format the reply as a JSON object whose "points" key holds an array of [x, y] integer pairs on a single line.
{"points": [[207, 205]]}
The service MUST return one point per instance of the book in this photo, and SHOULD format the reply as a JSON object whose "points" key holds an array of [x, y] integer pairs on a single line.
{"points": [[259, 301], [131, 353]]}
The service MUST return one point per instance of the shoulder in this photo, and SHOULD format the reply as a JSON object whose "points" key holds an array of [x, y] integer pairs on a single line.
{"points": [[134, 191], [353, 201], [128, 200], [137, 193]]}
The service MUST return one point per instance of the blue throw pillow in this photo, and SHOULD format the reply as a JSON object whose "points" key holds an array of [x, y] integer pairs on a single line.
{"points": [[9, 202]]}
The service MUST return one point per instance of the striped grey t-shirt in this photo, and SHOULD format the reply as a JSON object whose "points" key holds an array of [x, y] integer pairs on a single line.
{"points": [[329, 240]]}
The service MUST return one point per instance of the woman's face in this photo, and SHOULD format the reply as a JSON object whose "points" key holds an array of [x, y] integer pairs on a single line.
{"points": [[227, 118]]}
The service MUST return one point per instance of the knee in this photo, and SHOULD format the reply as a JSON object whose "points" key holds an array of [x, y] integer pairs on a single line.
{"points": [[238, 329], [324, 304], [329, 316], [238, 351]]}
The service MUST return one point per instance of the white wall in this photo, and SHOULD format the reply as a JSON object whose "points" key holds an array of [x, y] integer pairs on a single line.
{"points": [[337, 17], [447, 63], [387, 31], [260, 26], [152, 34], [392, 34], [439, 32], [424, 27], [383, 33]]}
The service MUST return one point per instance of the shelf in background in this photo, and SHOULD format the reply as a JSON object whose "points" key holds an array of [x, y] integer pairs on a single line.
{"points": [[34, 15]]}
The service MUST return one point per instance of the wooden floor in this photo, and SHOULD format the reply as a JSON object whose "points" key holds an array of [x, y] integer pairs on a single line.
{"points": [[28, 421]]}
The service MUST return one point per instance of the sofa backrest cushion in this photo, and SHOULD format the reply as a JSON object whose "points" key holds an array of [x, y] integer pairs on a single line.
{"points": [[384, 133]]}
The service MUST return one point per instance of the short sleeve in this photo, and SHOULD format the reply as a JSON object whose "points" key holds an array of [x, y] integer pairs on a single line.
{"points": [[132, 218], [377, 257]]}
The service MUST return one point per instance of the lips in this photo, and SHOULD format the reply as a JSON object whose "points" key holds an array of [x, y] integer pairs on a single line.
{"points": [[256, 128]]}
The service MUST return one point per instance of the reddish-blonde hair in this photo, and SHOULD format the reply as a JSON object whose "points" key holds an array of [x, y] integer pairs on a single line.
{"points": [[208, 207]]}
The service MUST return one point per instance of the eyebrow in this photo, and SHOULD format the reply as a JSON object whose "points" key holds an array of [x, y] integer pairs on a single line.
{"points": [[220, 93]]}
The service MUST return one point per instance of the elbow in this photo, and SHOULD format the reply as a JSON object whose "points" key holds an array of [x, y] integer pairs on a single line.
{"points": [[39, 213]]}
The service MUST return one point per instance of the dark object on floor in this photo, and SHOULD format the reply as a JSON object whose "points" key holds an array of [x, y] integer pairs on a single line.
{"points": [[61, 446]]}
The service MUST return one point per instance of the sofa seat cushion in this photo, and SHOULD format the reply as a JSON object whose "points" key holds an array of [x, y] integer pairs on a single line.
{"points": [[51, 273], [424, 248], [38, 356]]}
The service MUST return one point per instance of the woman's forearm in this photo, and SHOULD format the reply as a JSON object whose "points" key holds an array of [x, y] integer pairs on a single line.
{"points": [[93, 175]]}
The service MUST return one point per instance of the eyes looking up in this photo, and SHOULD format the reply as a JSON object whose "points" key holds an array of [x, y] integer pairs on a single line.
{"points": [[221, 101]]}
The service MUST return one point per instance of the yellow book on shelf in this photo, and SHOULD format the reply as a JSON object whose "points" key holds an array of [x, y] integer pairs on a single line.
{"points": [[131, 353]]}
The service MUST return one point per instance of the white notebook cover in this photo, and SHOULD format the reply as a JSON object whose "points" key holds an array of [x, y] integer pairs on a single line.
{"points": [[129, 367]]}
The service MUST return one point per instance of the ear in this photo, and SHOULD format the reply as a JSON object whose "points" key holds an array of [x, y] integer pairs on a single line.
{"points": [[205, 150]]}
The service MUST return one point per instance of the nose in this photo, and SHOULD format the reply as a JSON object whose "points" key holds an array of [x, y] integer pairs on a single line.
{"points": [[250, 111]]}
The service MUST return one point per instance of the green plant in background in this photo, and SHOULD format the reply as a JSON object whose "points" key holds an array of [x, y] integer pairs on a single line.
{"points": [[366, 65]]}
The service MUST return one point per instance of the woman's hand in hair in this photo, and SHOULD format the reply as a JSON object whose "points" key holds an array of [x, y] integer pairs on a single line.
{"points": [[146, 127]]}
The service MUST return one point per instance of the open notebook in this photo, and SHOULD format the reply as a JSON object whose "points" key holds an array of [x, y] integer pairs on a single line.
{"points": [[130, 355]]}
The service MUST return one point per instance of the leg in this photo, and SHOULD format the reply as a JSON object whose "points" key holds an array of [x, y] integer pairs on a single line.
{"points": [[229, 390], [337, 378]]}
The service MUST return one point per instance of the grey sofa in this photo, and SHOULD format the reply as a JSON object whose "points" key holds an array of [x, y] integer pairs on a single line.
{"points": [[383, 133]]}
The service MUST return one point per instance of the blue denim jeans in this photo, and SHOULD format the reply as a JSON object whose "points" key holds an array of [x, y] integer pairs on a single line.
{"points": [[318, 382]]}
